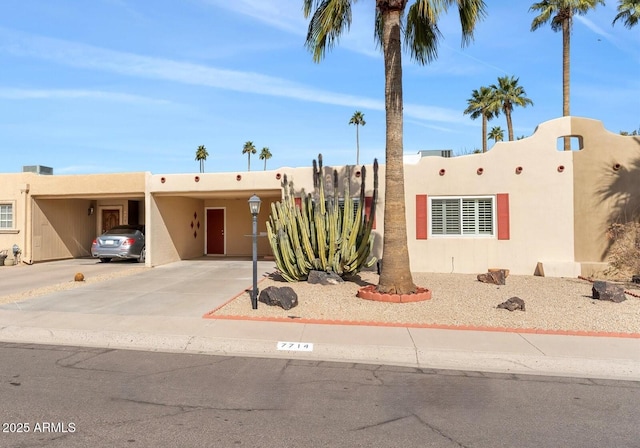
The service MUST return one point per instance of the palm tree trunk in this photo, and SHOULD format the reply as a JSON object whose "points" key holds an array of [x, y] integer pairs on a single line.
{"points": [[395, 277], [566, 58], [265, 165], [248, 161], [509, 125], [484, 133], [357, 146]]}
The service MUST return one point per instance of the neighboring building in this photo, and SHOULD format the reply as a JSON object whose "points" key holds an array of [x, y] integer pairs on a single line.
{"points": [[521, 206]]}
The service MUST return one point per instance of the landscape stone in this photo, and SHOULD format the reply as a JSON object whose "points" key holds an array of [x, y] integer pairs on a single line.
{"points": [[602, 290], [493, 277], [635, 279], [324, 278], [285, 297], [512, 304]]}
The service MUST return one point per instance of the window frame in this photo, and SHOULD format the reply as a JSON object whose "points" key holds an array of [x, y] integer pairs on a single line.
{"points": [[12, 205], [494, 218]]}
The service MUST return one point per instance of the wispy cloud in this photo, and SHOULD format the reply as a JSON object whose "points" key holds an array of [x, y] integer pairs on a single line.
{"points": [[66, 94], [280, 15], [94, 58]]}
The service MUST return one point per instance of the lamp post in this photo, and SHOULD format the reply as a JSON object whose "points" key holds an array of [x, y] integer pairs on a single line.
{"points": [[254, 207]]}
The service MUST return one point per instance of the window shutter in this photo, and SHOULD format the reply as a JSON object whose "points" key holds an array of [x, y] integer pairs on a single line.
{"points": [[452, 216], [503, 216], [367, 209], [421, 216]]}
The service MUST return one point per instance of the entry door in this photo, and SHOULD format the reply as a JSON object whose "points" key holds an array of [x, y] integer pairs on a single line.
{"points": [[110, 218], [215, 231]]}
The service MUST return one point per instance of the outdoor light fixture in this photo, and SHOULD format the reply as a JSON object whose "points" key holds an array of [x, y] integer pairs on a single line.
{"points": [[254, 208], [90, 211]]}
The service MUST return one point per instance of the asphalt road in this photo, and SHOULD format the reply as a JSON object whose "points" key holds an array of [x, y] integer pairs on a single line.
{"points": [[80, 397]]}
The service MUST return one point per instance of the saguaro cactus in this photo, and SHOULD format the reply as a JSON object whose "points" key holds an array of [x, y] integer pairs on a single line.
{"points": [[321, 235]]}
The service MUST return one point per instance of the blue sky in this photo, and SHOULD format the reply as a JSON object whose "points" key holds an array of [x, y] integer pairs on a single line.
{"points": [[136, 85]]}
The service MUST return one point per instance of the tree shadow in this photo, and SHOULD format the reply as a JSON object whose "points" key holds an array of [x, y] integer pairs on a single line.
{"points": [[621, 189]]}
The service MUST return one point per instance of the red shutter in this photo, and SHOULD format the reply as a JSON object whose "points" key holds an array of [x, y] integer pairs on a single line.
{"points": [[367, 209], [421, 216], [503, 216], [298, 202]]}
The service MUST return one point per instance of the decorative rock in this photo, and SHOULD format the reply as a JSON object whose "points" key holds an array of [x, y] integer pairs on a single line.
{"points": [[608, 291], [285, 297], [324, 278], [635, 279], [514, 303], [79, 277], [494, 277]]}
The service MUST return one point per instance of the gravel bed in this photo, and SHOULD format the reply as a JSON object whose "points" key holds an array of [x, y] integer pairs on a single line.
{"points": [[459, 300], [10, 298]]}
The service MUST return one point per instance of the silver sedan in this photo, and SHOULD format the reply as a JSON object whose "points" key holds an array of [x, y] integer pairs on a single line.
{"points": [[124, 241]]}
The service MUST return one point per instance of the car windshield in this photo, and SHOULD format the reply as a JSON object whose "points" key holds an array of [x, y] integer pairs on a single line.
{"points": [[121, 231]]}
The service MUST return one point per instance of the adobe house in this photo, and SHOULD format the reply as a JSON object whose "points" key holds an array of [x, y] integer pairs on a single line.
{"points": [[524, 206]]}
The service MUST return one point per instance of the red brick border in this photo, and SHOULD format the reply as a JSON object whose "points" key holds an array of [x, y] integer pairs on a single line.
{"points": [[370, 293]]}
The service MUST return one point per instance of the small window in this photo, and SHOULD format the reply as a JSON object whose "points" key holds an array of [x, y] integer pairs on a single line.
{"points": [[463, 216], [6, 216]]}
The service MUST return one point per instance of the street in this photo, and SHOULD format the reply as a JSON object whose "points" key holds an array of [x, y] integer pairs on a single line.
{"points": [[56, 396]]}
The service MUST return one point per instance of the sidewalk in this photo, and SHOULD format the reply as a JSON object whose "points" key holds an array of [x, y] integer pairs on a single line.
{"points": [[161, 309]]}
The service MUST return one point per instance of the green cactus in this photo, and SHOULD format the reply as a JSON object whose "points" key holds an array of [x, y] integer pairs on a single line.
{"points": [[319, 234]]}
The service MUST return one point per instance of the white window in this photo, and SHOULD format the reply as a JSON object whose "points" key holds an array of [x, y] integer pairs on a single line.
{"points": [[6, 216], [462, 216]]}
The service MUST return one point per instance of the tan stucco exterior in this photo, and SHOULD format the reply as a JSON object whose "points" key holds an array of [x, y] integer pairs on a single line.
{"points": [[558, 205]]}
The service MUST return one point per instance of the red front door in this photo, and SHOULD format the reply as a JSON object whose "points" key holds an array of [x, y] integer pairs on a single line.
{"points": [[215, 231]]}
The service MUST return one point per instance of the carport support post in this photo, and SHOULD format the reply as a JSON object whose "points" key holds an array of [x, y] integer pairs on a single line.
{"points": [[254, 207]]}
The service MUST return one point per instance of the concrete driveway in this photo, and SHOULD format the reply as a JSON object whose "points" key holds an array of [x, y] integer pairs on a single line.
{"points": [[187, 288]]}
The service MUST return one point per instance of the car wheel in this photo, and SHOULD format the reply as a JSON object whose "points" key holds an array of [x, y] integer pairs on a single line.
{"points": [[105, 260], [143, 255]]}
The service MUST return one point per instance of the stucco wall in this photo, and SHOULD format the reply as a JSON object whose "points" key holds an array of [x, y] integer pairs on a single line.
{"points": [[606, 185], [14, 190], [170, 236], [540, 206], [239, 225], [61, 229]]}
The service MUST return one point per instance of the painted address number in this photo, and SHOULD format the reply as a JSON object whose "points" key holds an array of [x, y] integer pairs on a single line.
{"points": [[296, 346]]}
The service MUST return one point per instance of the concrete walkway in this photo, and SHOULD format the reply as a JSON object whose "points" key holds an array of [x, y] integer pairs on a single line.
{"points": [[161, 309]]}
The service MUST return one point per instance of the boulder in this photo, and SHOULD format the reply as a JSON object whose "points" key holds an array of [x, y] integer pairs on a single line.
{"points": [[285, 297], [494, 277], [602, 290], [513, 304], [79, 277], [324, 278], [635, 279]]}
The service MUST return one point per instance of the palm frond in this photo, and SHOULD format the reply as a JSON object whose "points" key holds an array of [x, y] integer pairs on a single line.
{"points": [[330, 19]]}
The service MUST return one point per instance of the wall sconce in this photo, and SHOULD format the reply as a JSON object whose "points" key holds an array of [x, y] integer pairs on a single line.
{"points": [[90, 211]]}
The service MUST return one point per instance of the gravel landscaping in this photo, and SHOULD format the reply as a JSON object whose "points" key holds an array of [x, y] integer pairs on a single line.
{"points": [[458, 300]]}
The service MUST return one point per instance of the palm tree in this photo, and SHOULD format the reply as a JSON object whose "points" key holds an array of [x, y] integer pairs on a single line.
{"points": [[561, 13], [628, 12], [509, 94], [265, 155], [483, 104], [201, 156], [496, 134], [248, 149], [358, 120], [328, 21]]}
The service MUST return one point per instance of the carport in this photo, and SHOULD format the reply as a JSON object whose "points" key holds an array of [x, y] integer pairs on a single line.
{"points": [[190, 224], [65, 213]]}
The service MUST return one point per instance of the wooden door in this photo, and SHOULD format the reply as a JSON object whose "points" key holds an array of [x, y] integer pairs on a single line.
{"points": [[215, 231], [110, 218]]}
